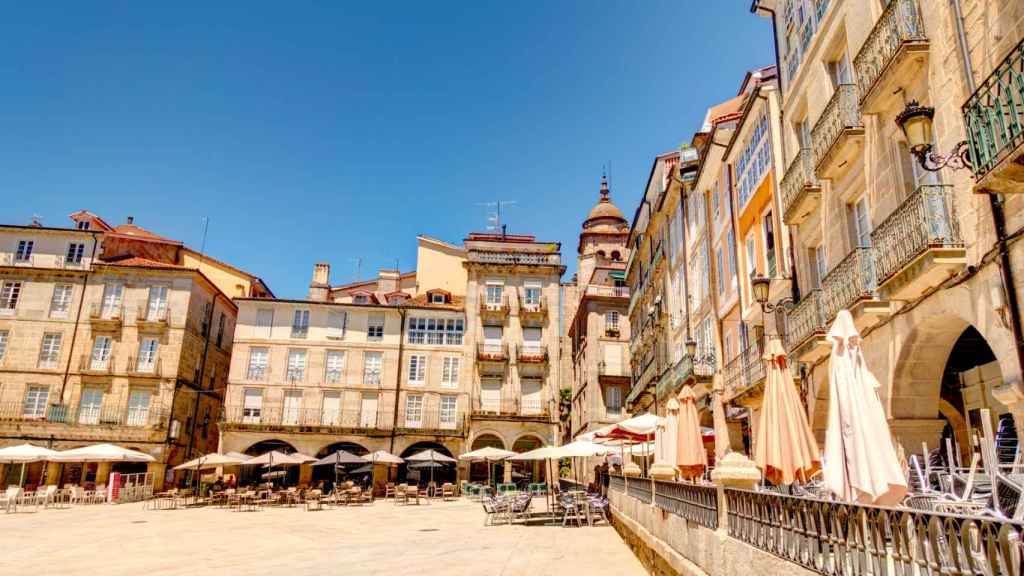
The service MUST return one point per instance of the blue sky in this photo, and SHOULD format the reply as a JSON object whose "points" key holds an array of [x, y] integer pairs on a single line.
{"points": [[332, 130]]}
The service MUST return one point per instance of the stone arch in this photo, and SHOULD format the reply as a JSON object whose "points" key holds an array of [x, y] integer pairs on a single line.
{"points": [[352, 447], [444, 473], [264, 446], [921, 361], [531, 471], [487, 438]]}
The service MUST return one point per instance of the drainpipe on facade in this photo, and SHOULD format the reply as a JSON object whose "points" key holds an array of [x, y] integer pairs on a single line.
{"points": [[78, 320], [398, 377], [996, 205]]}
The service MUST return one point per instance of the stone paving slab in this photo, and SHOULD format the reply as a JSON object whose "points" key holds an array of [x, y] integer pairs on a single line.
{"points": [[441, 538]]}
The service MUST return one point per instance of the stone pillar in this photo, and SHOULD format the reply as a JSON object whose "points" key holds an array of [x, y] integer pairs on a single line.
{"points": [[3, 475], [1011, 394], [305, 474], [102, 473], [156, 472], [722, 443], [53, 473], [911, 432]]}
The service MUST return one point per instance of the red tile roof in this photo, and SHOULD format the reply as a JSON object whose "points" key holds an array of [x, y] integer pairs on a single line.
{"points": [[135, 231], [139, 262]]}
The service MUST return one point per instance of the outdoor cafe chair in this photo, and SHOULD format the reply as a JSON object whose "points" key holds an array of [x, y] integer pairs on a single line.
{"points": [[389, 490], [9, 499], [493, 508], [519, 508], [447, 491], [313, 501], [571, 510]]}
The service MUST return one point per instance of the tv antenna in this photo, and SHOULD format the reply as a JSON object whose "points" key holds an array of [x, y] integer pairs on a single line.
{"points": [[494, 218], [359, 265]]}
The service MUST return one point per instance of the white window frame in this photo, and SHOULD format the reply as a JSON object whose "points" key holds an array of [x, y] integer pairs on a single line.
{"points": [[264, 323], [300, 324], [10, 294], [33, 406], [448, 411], [450, 368], [259, 361], [414, 410], [4, 337], [334, 366], [49, 349], [110, 306], [436, 298], [417, 372], [337, 321], [102, 348], [74, 253], [60, 301], [373, 367], [295, 370], [148, 348], [156, 304], [138, 411], [493, 293], [375, 327], [90, 405], [23, 252]]}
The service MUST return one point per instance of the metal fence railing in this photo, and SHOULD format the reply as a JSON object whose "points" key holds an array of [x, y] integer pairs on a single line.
{"points": [[696, 503]]}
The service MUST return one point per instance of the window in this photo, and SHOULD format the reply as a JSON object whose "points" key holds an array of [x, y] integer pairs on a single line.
{"points": [[111, 304], [751, 256], [435, 331], [375, 327], [820, 264], [730, 243], [220, 330], [24, 252], [531, 293], [89, 406], [361, 299], [204, 327], [84, 225], [264, 322], [258, 360], [530, 389], [335, 366], [754, 161], [9, 293], [494, 293], [490, 394], [291, 415], [436, 298], [414, 410], [61, 300], [101, 348], [705, 271], [803, 133], [611, 321], [252, 405], [147, 355], [372, 362], [330, 409], [840, 72], [138, 407], [49, 350], [716, 207], [720, 270], [4, 334], [449, 411], [74, 253], [300, 324], [613, 401], [296, 365], [157, 308], [861, 223], [769, 244], [35, 402], [531, 341], [417, 369], [336, 320], [453, 331], [450, 372]]}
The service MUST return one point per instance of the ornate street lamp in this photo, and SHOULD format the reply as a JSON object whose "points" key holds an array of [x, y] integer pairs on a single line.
{"points": [[916, 122], [691, 347], [760, 286]]}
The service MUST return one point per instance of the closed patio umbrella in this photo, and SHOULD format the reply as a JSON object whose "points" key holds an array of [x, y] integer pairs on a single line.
{"points": [[861, 464], [784, 449], [691, 458], [665, 441]]}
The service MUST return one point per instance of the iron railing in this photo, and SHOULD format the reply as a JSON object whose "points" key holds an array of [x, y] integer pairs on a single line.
{"points": [[281, 416], [851, 280], [613, 291], [899, 24], [534, 354], [842, 113], [806, 318], [532, 307], [100, 313], [521, 258], [697, 503], [840, 538], [87, 363], [605, 369], [745, 371], [146, 316], [994, 114], [492, 352], [639, 488], [925, 220], [510, 407], [145, 366], [616, 483], [732, 373], [151, 416], [433, 420], [798, 178]]}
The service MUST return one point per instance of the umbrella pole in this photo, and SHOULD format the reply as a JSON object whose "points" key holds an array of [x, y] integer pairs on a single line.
{"points": [[22, 481]]}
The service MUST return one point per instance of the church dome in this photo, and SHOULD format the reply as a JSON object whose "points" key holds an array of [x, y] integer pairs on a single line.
{"points": [[604, 216]]}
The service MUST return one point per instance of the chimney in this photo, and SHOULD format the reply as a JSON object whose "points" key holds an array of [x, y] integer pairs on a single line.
{"points": [[320, 287], [131, 219], [387, 280]]}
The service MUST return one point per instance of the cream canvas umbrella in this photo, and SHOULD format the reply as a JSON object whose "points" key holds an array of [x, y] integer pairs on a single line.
{"points": [[25, 454], [102, 453], [383, 457], [861, 464], [432, 456], [691, 458], [274, 458], [210, 461], [490, 454], [665, 436], [784, 449]]}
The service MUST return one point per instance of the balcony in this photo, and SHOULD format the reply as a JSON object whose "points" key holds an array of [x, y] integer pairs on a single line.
{"points": [[838, 136], [62, 415], [994, 122], [493, 310], [510, 408], [72, 263], [514, 258], [492, 352], [433, 422], [145, 366], [106, 317], [805, 329], [277, 417], [533, 311], [151, 320], [533, 354], [919, 244], [607, 291], [893, 56], [605, 370], [801, 192], [744, 375], [851, 285], [99, 366]]}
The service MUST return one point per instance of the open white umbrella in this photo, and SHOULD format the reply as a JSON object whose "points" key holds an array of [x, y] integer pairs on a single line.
{"points": [[24, 454], [212, 460], [340, 457], [487, 453], [860, 461], [431, 456], [383, 457], [102, 453], [274, 458]]}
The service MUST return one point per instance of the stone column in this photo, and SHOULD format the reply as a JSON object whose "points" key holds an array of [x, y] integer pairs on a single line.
{"points": [[305, 474], [102, 472], [53, 473], [156, 472], [722, 444], [3, 475], [911, 432]]}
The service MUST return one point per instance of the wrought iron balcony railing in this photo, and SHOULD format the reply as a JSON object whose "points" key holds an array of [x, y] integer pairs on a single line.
{"points": [[284, 416], [851, 280], [533, 408], [492, 352], [96, 364], [137, 416], [493, 307], [532, 354], [519, 258], [899, 25], [994, 114], [152, 318], [841, 115], [926, 219], [804, 320], [433, 420], [101, 313], [611, 291], [145, 366], [798, 184]]}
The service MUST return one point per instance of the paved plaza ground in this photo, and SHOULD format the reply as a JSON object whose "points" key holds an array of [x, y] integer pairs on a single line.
{"points": [[443, 538]]}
